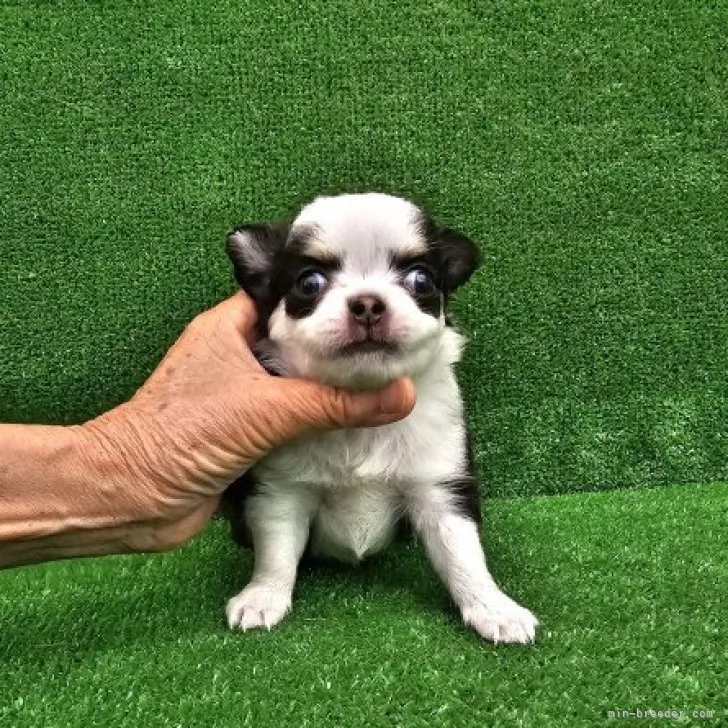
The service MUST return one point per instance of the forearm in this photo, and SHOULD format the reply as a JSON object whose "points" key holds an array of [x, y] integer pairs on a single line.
{"points": [[59, 496]]}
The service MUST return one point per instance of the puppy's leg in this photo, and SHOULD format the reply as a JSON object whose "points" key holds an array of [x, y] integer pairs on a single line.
{"points": [[279, 525], [454, 548]]}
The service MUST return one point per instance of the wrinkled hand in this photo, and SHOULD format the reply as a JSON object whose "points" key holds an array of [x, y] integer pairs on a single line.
{"points": [[207, 413]]}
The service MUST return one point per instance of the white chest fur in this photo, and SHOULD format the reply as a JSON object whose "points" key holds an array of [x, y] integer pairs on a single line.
{"points": [[356, 483]]}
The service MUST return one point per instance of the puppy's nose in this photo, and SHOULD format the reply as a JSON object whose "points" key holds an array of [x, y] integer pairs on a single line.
{"points": [[367, 310]]}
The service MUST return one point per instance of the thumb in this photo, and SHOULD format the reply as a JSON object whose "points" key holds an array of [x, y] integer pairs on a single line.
{"points": [[313, 406]]}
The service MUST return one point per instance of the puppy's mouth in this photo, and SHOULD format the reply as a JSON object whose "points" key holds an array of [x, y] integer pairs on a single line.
{"points": [[368, 346]]}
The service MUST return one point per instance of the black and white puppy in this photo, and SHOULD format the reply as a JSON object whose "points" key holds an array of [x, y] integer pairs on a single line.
{"points": [[354, 293]]}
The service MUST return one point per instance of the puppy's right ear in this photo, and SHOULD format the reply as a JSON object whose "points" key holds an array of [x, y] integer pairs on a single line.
{"points": [[251, 249]]}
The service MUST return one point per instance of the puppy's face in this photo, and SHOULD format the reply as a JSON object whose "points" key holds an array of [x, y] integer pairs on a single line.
{"points": [[354, 291]]}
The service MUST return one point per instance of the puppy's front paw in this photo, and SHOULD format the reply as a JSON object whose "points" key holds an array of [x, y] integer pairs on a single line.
{"points": [[499, 619], [258, 605]]}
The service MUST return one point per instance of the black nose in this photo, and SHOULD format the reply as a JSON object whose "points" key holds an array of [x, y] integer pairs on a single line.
{"points": [[367, 310]]}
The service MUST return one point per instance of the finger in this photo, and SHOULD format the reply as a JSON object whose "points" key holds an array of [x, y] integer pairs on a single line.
{"points": [[239, 309], [320, 407]]}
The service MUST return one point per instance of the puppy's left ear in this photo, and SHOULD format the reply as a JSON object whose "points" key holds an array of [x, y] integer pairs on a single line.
{"points": [[251, 249], [459, 256]]}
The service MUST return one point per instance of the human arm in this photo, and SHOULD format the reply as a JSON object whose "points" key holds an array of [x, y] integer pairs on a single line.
{"points": [[147, 475]]}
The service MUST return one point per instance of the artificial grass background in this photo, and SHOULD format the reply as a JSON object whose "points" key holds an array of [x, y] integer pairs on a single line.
{"points": [[630, 588], [582, 145]]}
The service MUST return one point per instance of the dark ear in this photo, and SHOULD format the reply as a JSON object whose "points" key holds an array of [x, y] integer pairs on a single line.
{"points": [[458, 255], [251, 249]]}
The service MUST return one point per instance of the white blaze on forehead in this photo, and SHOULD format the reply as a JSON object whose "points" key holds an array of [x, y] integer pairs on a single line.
{"points": [[362, 230]]}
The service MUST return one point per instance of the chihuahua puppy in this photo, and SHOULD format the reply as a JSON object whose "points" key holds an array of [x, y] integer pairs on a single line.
{"points": [[354, 293]]}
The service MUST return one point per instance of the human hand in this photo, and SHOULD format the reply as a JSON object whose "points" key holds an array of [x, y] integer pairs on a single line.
{"points": [[205, 415]]}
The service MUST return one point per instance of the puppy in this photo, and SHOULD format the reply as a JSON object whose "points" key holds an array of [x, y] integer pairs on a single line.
{"points": [[354, 293]]}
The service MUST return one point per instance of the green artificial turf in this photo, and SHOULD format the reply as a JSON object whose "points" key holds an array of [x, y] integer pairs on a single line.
{"points": [[630, 588], [582, 144]]}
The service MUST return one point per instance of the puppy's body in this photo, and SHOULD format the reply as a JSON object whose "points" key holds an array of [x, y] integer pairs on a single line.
{"points": [[356, 484], [354, 293]]}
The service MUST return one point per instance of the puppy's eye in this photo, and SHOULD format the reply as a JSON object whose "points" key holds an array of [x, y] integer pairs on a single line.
{"points": [[311, 283], [419, 281]]}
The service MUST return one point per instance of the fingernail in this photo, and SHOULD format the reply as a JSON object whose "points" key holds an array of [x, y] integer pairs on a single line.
{"points": [[392, 400]]}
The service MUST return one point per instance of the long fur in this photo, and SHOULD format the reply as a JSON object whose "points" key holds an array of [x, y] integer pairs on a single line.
{"points": [[343, 494]]}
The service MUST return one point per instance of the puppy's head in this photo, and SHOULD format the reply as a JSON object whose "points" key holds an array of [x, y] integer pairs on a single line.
{"points": [[354, 291]]}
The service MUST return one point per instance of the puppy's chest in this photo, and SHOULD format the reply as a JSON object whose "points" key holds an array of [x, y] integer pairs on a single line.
{"points": [[352, 523], [357, 483], [365, 459]]}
